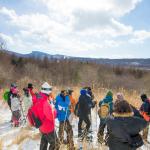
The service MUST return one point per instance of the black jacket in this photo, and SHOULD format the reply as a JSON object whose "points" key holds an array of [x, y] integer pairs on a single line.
{"points": [[9, 99], [136, 112], [121, 128], [145, 107], [84, 105]]}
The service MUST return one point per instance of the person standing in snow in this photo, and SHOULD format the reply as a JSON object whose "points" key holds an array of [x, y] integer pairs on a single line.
{"points": [[83, 109], [124, 127], [62, 106], [12, 86], [145, 112], [105, 109], [72, 106], [15, 106], [26, 100], [135, 110], [46, 114]]}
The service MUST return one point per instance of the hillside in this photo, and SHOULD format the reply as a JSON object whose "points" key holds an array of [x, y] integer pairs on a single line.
{"points": [[69, 72], [142, 63]]}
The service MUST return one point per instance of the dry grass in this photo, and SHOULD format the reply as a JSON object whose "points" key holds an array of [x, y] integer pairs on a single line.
{"points": [[132, 96], [1, 144], [25, 133]]}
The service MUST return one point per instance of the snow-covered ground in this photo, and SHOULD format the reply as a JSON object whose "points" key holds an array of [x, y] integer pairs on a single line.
{"points": [[25, 138]]}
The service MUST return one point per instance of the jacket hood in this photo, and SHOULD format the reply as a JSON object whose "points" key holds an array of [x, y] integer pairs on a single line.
{"points": [[108, 99], [109, 93], [83, 92]]}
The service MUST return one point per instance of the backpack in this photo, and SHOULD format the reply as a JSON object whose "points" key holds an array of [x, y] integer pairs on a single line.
{"points": [[33, 117], [76, 110], [136, 141], [104, 110], [32, 114], [6, 95]]}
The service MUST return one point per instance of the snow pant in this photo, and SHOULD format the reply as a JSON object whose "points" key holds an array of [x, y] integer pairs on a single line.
{"points": [[16, 117], [49, 138], [145, 133], [100, 134], [65, 126], [87, 120], [71, 118]]}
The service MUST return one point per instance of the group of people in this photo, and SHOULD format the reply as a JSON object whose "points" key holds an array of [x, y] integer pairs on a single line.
{"points": [[122, 121]]}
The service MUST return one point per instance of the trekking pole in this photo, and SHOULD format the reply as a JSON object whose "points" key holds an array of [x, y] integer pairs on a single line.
{"points": [[64, 122], [24, 117], [54, 123]]}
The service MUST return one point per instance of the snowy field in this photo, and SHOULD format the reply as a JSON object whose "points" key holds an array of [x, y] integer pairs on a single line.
{"points": [[25, 138]]}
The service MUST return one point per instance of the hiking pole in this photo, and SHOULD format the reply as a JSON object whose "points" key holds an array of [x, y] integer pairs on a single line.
{"points": [[64, 124], [24, 117]]}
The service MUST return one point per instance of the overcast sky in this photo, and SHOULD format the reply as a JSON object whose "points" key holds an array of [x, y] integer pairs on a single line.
{"points": [[87, 28]]}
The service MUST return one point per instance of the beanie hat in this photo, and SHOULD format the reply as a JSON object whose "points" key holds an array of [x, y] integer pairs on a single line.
{"points": [[69, 91], [109, 93], [46, 88], [13, 85], [120, 96], [30, 85], [83, 92], [143, 97]]}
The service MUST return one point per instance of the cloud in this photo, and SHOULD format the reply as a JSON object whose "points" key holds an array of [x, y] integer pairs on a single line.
{"points": [[7, 38], [140, 36], [8, 12], [72, 27]]}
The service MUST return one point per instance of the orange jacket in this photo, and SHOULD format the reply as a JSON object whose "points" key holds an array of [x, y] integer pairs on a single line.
{"points": [[145, 116], [73, 103]]}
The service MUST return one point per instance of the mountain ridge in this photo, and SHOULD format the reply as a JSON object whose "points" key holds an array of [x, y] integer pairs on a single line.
{"points": [[136, 62]]}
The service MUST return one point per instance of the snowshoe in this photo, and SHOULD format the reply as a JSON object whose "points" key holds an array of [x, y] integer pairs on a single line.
{"points": [[89, 138]]}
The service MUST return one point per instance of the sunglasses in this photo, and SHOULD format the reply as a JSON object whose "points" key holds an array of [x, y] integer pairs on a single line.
{"points": [[47, 89]]}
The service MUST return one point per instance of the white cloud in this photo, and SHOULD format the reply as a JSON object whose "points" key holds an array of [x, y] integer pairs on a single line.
{"points": [[7, 38], [140, 36], [8, 12], [72, 26]]}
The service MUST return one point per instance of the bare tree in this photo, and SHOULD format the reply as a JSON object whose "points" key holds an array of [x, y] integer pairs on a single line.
{"points": [[2, 44]]}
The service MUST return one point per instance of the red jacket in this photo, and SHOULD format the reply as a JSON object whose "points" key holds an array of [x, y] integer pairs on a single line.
{"points": [[46, 114]]}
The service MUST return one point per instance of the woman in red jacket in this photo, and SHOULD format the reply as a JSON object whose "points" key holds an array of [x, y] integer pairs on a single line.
{"points": [[47, 115]]}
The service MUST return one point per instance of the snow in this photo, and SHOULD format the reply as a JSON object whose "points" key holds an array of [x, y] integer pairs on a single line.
{"points": [[9, 133]]}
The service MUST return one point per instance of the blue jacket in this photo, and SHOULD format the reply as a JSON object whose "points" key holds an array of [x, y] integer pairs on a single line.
{"points": [[62, 107], [107, 100]]}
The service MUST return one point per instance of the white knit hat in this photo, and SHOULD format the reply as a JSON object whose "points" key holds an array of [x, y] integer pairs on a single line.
{"points": [[46, 88]]}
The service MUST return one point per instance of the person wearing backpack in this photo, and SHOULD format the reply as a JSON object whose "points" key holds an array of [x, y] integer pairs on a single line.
{"points": [[84, 106], [7, 94], [145, 112], [15, 106], [124, 128], [105, 109], [62, 106], [42, 115]]}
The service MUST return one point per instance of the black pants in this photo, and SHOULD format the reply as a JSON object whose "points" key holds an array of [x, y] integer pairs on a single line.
{"points": [[100, 134], [87, 120], [50, 138]]}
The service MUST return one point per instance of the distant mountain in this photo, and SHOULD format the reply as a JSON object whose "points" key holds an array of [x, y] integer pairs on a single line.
{"points": [[142, 63]]}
